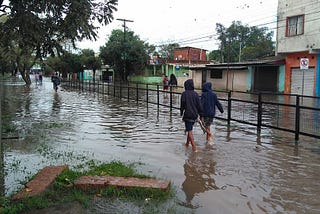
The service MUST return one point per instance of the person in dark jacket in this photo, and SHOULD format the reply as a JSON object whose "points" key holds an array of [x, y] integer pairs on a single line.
{"points": [[173, 80], [190, 108], [209, 102], [56, 81]]}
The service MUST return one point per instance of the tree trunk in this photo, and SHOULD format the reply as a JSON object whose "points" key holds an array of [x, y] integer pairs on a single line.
{"points": [[25, 75]]}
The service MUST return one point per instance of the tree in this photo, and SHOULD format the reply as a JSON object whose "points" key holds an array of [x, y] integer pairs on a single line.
{"points": [[214, 55], [65, 64], [166, 50], [151, 50], [36, 28], [241, 42], [126, 57], [90, 61]]}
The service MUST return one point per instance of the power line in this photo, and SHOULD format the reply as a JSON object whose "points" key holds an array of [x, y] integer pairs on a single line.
{"points": [[199, 39]]}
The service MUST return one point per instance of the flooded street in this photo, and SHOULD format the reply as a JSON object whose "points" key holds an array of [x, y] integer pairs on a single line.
{"points": [[240, 173]]}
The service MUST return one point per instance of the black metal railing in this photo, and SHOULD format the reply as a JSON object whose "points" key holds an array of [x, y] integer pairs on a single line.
{"points": [[296, 114]]}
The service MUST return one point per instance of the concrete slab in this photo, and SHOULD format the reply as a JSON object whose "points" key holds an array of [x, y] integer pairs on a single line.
{"points": [[40, 182], [98, 182]]}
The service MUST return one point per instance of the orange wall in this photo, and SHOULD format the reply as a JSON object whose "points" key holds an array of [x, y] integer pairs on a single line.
{"points": [[293, 61]]}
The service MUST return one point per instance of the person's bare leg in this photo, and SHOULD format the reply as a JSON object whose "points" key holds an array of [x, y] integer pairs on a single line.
{"points": [[209, 134], [187, 142], [191, 138]]}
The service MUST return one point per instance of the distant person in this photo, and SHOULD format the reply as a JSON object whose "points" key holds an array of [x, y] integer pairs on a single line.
{"points": [[173, 80], [190, 108], [37, 78], [165, 84], [209, 102], [56, 81]]}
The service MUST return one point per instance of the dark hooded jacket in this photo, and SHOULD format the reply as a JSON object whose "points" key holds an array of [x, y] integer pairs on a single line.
{"points": [[209, 101], [190, 106]]}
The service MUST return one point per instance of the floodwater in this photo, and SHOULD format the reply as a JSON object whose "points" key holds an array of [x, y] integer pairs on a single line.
{"points": [[242, 172]]}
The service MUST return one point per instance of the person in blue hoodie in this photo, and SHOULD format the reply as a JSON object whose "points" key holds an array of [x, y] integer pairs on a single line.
{"points": [[209, 102], [190, 108]]}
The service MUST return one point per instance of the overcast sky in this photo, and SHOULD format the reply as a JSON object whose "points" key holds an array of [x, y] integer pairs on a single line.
{"points": [[189, 23]]}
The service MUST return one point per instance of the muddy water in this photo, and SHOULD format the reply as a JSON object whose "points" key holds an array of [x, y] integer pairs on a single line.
{"points": [[240, 173]]}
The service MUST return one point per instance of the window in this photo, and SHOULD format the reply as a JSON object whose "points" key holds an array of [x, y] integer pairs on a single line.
{"points": [[216, 74], [295, 25]]}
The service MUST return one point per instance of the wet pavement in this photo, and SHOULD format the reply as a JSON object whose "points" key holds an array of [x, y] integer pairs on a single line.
{"points": [[240, 173]]}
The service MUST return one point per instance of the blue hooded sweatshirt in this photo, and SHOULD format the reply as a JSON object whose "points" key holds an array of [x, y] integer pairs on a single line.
{"points": [[190, 106], [209, 101]]}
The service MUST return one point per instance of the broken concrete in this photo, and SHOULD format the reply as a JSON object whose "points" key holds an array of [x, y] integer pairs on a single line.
{"points": [[98, 182], [40, 182]]}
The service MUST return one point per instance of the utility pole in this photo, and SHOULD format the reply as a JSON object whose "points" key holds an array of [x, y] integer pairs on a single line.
{"points": [[240, 51], [123, 44]]}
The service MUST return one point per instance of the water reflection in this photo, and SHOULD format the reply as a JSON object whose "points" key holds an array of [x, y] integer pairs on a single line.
{"points": [[56, 103], [254, 172], [199, 170]]}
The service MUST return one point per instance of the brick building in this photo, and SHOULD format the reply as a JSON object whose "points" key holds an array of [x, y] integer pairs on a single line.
{"points": [[189, 55]]}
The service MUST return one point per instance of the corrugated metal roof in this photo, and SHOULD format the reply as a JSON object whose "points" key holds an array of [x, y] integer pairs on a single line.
{"points": [[274, 60]]}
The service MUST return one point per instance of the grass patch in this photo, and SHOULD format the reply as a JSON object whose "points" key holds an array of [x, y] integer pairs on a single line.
{"points": [[63, 191]]}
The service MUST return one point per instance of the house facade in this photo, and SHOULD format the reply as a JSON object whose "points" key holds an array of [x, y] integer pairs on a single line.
{"points": [[298, 40], [255, 76], [183, 59]]}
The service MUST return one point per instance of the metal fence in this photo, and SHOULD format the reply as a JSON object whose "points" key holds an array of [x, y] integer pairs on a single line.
{"points": [[297, 114]]}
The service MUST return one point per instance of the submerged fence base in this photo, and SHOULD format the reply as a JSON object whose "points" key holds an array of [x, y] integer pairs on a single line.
{"points": [[297, 114]]}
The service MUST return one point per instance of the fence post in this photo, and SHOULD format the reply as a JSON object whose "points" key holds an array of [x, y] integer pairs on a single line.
{"points": [[102, 87], [120, 89], [259, 113], [158, 96], [108, 88], [114, 89], [147, 98], [229, 107], [82, 82], [297, 121], [170, 98], [128, 91], [98, 86], [137, 88]]}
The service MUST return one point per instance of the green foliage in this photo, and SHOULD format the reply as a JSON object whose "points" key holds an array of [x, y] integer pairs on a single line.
{"points": [[63, 190], [114, 168], [126, 57], [134, 193], [215, 55], [166, 50], [241, 42], [66, 63], [35, 29]]}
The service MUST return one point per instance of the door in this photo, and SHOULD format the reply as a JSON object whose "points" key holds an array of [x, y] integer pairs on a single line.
{"points": [[302, 81], [266, 79]]}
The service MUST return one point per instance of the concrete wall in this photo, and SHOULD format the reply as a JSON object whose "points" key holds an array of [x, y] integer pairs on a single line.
{"points": [[231, 80], [310, 39]]}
